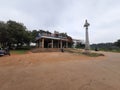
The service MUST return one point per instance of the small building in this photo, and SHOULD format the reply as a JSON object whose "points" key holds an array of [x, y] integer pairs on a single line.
{"points": [[46, 39]]}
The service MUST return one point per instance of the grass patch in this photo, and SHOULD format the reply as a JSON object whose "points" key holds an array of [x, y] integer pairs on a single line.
{"points": [[112, 50], [18, 51], [91, 54]]}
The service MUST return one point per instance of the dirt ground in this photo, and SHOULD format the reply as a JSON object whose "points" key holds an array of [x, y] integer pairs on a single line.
{"points": [[60, 71]]}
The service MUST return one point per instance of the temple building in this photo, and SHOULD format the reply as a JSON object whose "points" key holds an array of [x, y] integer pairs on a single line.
{"points": [[46, 39]]}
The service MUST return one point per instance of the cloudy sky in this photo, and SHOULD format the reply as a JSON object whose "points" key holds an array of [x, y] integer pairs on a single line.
{"points": [[67, 16]]}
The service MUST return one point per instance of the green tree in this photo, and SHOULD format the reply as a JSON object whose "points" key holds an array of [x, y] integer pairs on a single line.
{"points": [[4, 35], [34, 34], [18, 33], [80, 45], [117, 43]]}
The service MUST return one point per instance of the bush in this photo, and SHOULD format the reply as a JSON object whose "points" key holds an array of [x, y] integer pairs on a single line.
{"points": [[25, 48]]}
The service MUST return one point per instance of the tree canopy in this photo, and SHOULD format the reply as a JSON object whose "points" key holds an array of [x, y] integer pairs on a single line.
{"points": [[13, 32]]}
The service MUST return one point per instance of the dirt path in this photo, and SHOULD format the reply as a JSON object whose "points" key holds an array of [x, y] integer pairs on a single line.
{"points": [[60, 71]]}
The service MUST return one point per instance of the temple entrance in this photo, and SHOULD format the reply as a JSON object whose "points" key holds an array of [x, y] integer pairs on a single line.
{"points": [[47, 43], [53, 43]]}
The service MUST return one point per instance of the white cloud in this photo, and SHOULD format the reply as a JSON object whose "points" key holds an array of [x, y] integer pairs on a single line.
{"points": [[67, 16]]}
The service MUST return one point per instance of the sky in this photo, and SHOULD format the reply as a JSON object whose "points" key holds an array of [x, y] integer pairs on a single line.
{"points": [[67, 16]]}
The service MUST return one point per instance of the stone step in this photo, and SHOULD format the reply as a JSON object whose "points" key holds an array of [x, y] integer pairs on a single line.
{"points": [[37, 50]]}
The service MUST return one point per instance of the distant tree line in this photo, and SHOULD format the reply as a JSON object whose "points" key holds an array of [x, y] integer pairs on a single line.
{"points": [[107, 46], [101, 46], [117, 43]]}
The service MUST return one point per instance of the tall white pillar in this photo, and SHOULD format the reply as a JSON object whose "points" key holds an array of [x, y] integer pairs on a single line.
{"points": [[87, 45]]}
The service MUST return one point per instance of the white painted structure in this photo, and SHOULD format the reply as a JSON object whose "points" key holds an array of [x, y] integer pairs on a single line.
{"points": [[87, 45]]}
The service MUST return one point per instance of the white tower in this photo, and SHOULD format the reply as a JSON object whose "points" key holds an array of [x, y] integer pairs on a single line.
{"points": [[87, 45]]}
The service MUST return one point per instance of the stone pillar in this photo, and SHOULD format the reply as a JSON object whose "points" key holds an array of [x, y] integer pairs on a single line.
{"points": [[43, 43], [39, 43], [52, 44], [58, 43], [61, 44], [66, 44]]}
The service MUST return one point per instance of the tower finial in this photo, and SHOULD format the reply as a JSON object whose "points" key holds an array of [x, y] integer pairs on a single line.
{"points": [[86, 24]]}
